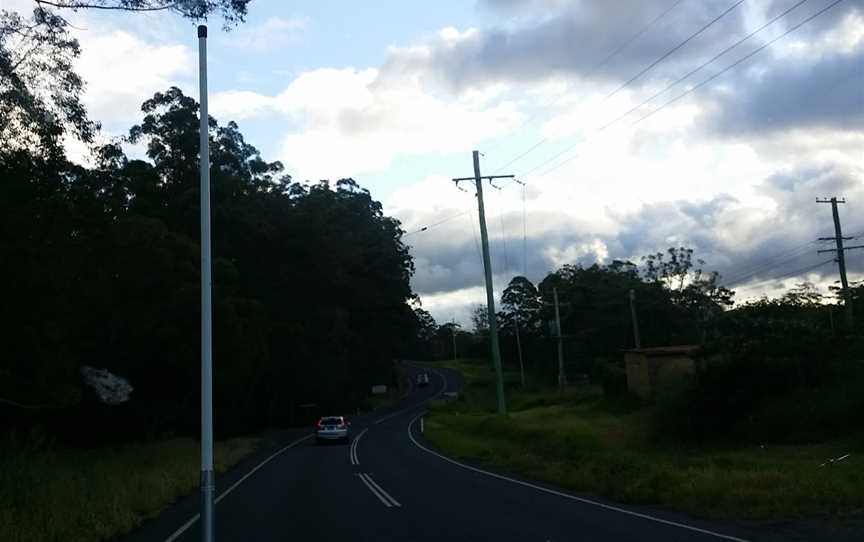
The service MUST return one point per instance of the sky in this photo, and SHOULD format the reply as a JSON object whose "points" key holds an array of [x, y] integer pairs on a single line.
{"points": [[632, 126]]}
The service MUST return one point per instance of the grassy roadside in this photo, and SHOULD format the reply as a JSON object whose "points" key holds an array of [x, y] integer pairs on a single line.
{"points": [[582, 441], [86, 495]]}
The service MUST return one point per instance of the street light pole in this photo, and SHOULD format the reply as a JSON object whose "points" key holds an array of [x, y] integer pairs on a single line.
{"points": [[208, 482]]}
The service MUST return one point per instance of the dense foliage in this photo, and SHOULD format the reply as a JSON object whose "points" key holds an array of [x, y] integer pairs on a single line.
{"points": [[311, 282]]}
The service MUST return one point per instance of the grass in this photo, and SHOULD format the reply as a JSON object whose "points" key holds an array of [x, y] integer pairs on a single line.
{"points": [[584, 442], [85, 495]]}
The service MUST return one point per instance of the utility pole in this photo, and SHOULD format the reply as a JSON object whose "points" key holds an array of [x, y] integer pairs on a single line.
{"points": [[562, 378], [637, 340], [208, 483], [453, 335], [487, 267], [519, 350], [841, 255]]}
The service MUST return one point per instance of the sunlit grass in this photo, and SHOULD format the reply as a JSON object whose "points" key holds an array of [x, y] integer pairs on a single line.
{"points": [[578, 440], [86, 495]]}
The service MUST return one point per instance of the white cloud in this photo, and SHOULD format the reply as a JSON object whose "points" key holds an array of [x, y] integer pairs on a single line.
{"points": [[353, 122], [122, 71], [239, 104]]}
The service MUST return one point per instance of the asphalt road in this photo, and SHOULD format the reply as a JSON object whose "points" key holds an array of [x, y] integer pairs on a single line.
{"points": [[388, 484]]}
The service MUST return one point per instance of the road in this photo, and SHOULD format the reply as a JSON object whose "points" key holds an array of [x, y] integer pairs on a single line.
{"points": [[389, 485]]}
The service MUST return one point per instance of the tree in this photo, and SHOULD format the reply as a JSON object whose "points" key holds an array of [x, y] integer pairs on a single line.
{"points": [[311, 283], [426, 326], [40, 93], [521, 301], [232, 11], [480, 319]]}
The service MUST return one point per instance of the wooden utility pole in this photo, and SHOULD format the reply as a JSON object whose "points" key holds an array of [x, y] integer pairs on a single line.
{"points": [[562, 378], [487, 268], [637, 340], [841, 255]]}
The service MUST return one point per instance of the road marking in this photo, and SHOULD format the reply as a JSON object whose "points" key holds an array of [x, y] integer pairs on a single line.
{"points": [[352, 452], [418, 405], [566, 495], [183, 528], [382, 495]]}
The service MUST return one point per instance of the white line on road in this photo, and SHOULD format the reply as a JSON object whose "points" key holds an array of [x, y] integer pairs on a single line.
{"points": [[382, 495], [183, 528], [352, 452], [566, 495]]}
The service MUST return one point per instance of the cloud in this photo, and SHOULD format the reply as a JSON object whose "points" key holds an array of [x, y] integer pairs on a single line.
{"points": [[818, 94], [273, 33], [749, 241], [365, 122], [571, 40], [121, 71]]}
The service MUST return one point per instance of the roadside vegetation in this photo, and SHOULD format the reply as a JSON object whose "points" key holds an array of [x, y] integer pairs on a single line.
{"points": [[73, 495], [591, 443]]}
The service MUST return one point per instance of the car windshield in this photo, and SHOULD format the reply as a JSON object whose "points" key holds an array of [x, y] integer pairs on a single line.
{"points": [[331, 421]]}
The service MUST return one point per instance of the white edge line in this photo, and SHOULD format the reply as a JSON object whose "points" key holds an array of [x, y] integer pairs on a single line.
{"points": [[355, 459], [183, 528], [389, 497], [566, 495], [373, 490], [233, 486]]}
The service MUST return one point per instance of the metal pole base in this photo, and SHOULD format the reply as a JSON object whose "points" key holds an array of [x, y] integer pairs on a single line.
{"points": [[208, 489]]}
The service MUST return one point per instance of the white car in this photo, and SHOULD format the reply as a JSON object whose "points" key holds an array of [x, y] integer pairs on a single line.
{"points": [[332, 428], [423, 380]]}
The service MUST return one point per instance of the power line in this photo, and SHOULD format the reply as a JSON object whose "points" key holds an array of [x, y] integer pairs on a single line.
{"points": [[698, 86], [790, 274], [593, 69], [425, 228], [771, 263], [677, 47], [740, 60], [704, 64]]}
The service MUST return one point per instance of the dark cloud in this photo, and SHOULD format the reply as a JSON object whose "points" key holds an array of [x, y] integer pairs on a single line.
{"points": [[573, 39], [744, 244], [824, 94]]}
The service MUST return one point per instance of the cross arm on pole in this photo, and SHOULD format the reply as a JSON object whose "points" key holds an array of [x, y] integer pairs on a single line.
{"points": [[488, 177], [835, 250]]}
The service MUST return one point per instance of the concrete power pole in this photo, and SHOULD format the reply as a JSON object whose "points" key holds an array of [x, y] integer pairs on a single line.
{"points": [[841, 255], [208, 483], [487, 267], [637, 340], [453, 335], [562, 378], [519, 350]]}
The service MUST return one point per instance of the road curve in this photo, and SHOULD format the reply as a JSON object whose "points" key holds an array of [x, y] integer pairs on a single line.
{"points": [[390, 484]]}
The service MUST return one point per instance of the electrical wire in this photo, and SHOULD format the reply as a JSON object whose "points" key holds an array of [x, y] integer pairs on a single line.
{"points": [[789, 274], [593, 69], [689, 91], [704, 64], [740, 60], [425, 228], [674, 49]]}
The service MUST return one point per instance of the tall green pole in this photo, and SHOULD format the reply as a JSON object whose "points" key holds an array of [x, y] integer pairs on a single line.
{"points": [[490, 297]]}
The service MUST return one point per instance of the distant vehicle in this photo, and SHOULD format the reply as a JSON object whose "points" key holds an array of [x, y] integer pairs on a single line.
{"points": [[332, 428], [423, 380]]}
